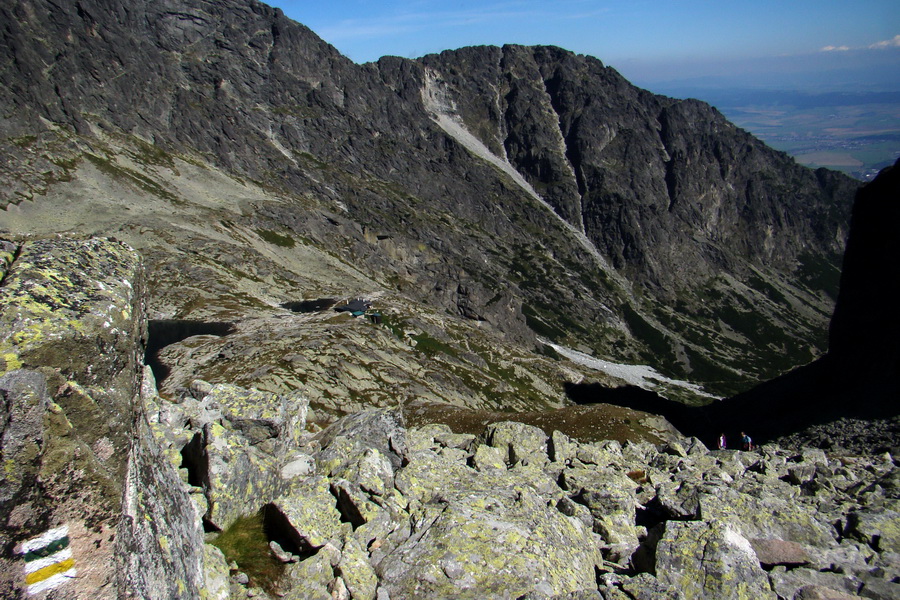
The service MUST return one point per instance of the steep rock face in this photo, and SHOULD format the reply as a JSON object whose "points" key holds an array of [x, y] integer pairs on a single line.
{"points": [[865, 329], [668, 190]]}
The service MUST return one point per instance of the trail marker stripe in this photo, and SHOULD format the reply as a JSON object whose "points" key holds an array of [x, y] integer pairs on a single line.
{"points": [[49, 571], [45, 539], [48, 560], [51, 548], [52, 582], [39, 564]]}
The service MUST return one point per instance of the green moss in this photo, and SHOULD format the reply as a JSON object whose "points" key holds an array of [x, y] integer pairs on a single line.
{"points": [[431, 346], [273, 237], [540, 326], [246, 543], [24, 141], [767, 289]]}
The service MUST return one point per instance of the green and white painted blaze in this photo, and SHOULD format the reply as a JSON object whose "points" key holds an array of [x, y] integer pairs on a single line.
{"points": [[48, 560]]}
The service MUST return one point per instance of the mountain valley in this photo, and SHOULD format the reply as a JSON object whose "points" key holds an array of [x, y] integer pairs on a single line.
{"points": [[274, 324]]}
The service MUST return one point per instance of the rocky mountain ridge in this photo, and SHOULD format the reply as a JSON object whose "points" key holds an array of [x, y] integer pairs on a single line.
{"points": [[507, 187]]}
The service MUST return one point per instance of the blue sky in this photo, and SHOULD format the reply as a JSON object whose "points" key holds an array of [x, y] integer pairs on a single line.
{"points": [[762, 42]]}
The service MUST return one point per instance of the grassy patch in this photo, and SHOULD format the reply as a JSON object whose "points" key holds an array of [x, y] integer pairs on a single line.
{"points": [[277, 239], [246, 543], [541, 327], [431, 346], [136, 179], [24, 141]]}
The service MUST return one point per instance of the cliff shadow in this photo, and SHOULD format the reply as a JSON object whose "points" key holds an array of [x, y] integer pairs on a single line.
{"points": [[162, 333], [814, 394]]}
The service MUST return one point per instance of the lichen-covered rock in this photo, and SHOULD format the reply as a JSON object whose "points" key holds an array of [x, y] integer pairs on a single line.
{"points": [[647, 587], [380, 429], [159, 543], [559, 447], [498, 543], [215, 575], [610, 497], [26, 403], [371, 471], [311, 578], [357, 572], [878, 527], [72, 318], [311, 512], [767, 510], [261, 416], [233, 472], [488, 458], [710, 560], [517, 442], [678, 500]]}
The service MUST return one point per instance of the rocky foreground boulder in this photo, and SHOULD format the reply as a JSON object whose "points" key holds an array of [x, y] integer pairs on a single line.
{"points": [[111, 491]]}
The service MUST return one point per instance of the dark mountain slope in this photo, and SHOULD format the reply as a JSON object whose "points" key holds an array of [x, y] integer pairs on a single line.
{"points": [[668, 190], [859, 377], [713, 227], [681, 242]]}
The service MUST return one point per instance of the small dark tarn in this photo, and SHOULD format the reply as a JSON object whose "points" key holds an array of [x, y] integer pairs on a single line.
{"points": [[308, 306], [164, 332]]}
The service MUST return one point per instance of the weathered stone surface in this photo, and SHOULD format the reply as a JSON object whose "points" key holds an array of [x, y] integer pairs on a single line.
{"points": [[498, 543], [610, 497], [710, 560], [261, 416], [487, 458], [767, 512], [818, 592], [790, 584], [878, 527], [311, 511], [647, 587], [779, 552], [559, 447], [234, 473], [159, 543], [678, 500], [310, 579], [517, 442], [357, 572], [376, 429], [72, 310], [25, 404]]}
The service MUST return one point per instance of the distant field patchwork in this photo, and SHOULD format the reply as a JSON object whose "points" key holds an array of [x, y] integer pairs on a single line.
{"points": [[856, 139]]}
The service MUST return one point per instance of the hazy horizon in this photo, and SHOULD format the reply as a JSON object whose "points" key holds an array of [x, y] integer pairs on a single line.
{"points": [[827, 45]]}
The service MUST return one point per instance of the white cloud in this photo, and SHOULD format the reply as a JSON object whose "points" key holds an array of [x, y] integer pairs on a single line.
{"points": [[891, 43], [835, 48]]}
